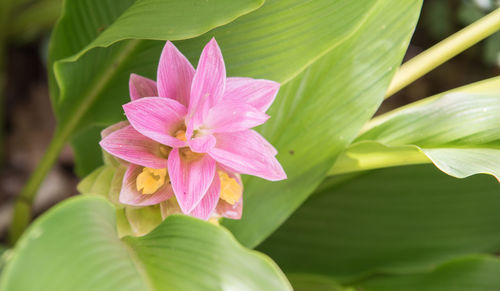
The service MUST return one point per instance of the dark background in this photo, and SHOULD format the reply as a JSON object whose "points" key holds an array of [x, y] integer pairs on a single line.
{"points": [[27, 121]]}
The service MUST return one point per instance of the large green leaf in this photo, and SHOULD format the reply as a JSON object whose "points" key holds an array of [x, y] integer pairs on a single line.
{"points": [[75, 247], [395, 220], [459, 131], [327, 103], [465, 274], [277, 41], [319, 112], [99, 23], [89, 82]]}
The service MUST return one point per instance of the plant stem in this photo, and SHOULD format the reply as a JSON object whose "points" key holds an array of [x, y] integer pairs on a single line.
{"points": [[22, 206], [443, 51]]}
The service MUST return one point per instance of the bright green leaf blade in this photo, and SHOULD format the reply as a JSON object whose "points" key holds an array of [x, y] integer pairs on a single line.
{"points": [[349, 73], [395, 220], [282, 38], [277, 41], [319, 112], [99, 23], [75, 247], [464, 274], [169, 19], [458, 131], [367, 155]]}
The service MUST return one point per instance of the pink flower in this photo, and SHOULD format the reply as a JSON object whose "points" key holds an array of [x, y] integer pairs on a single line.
{"points": [[193, 128]]}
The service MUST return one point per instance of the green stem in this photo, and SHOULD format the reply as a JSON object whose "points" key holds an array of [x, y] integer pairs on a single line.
{"points": [[22, 206], [443, 51]]}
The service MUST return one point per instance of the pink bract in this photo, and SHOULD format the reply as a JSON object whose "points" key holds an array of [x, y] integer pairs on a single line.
{"points": [[206, 120]]}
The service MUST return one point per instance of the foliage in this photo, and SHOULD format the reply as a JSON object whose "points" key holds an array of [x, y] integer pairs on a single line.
{"points": [[403, 227]]}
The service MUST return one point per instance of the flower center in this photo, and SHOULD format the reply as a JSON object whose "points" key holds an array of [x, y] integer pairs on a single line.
{"points": [[186, 152], [181, 134], [165, 151], [189, 155], [150, 180], [230, 189]]}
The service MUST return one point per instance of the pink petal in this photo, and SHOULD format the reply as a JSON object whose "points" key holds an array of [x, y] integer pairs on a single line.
{"points": [[269, 148], [175, 74], [112, 128], [133, 147], [209, 201], [256, 92], [225, 209], [190, 179], [130, 196], [157, 118], [233, 116], [208, 84], [202, 144], [245, 153], [141, 87]]}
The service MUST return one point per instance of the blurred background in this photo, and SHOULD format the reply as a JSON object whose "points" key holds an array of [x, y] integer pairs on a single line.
{"points": [[27, 121]]}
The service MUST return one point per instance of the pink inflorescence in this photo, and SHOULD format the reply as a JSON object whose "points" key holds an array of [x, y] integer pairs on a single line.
{"points": [[189, 135]]}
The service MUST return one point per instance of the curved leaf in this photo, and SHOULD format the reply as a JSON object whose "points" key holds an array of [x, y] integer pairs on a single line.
{"points": [[319, 112], [395, 221], [276, 42], [75, 247], [100, 23], [89, 83], [463, 274], [458, 131], [347, 85]]}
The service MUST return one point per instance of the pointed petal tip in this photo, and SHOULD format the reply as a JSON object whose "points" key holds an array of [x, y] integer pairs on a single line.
{"points": [[276, 173], [208, 203], [212, 40], [259, 93], [168, 46], [174, 74], [140, 87], [190, 179]]}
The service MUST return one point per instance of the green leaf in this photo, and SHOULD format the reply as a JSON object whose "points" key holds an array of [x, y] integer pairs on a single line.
{"points": [[311, 282], [464, 274], [4, 256], [395, 220], [347, 85], [319, 112], [89, 83], [100, 23], [458, 131], [277, 42], [164, 19], [75, 246]]}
